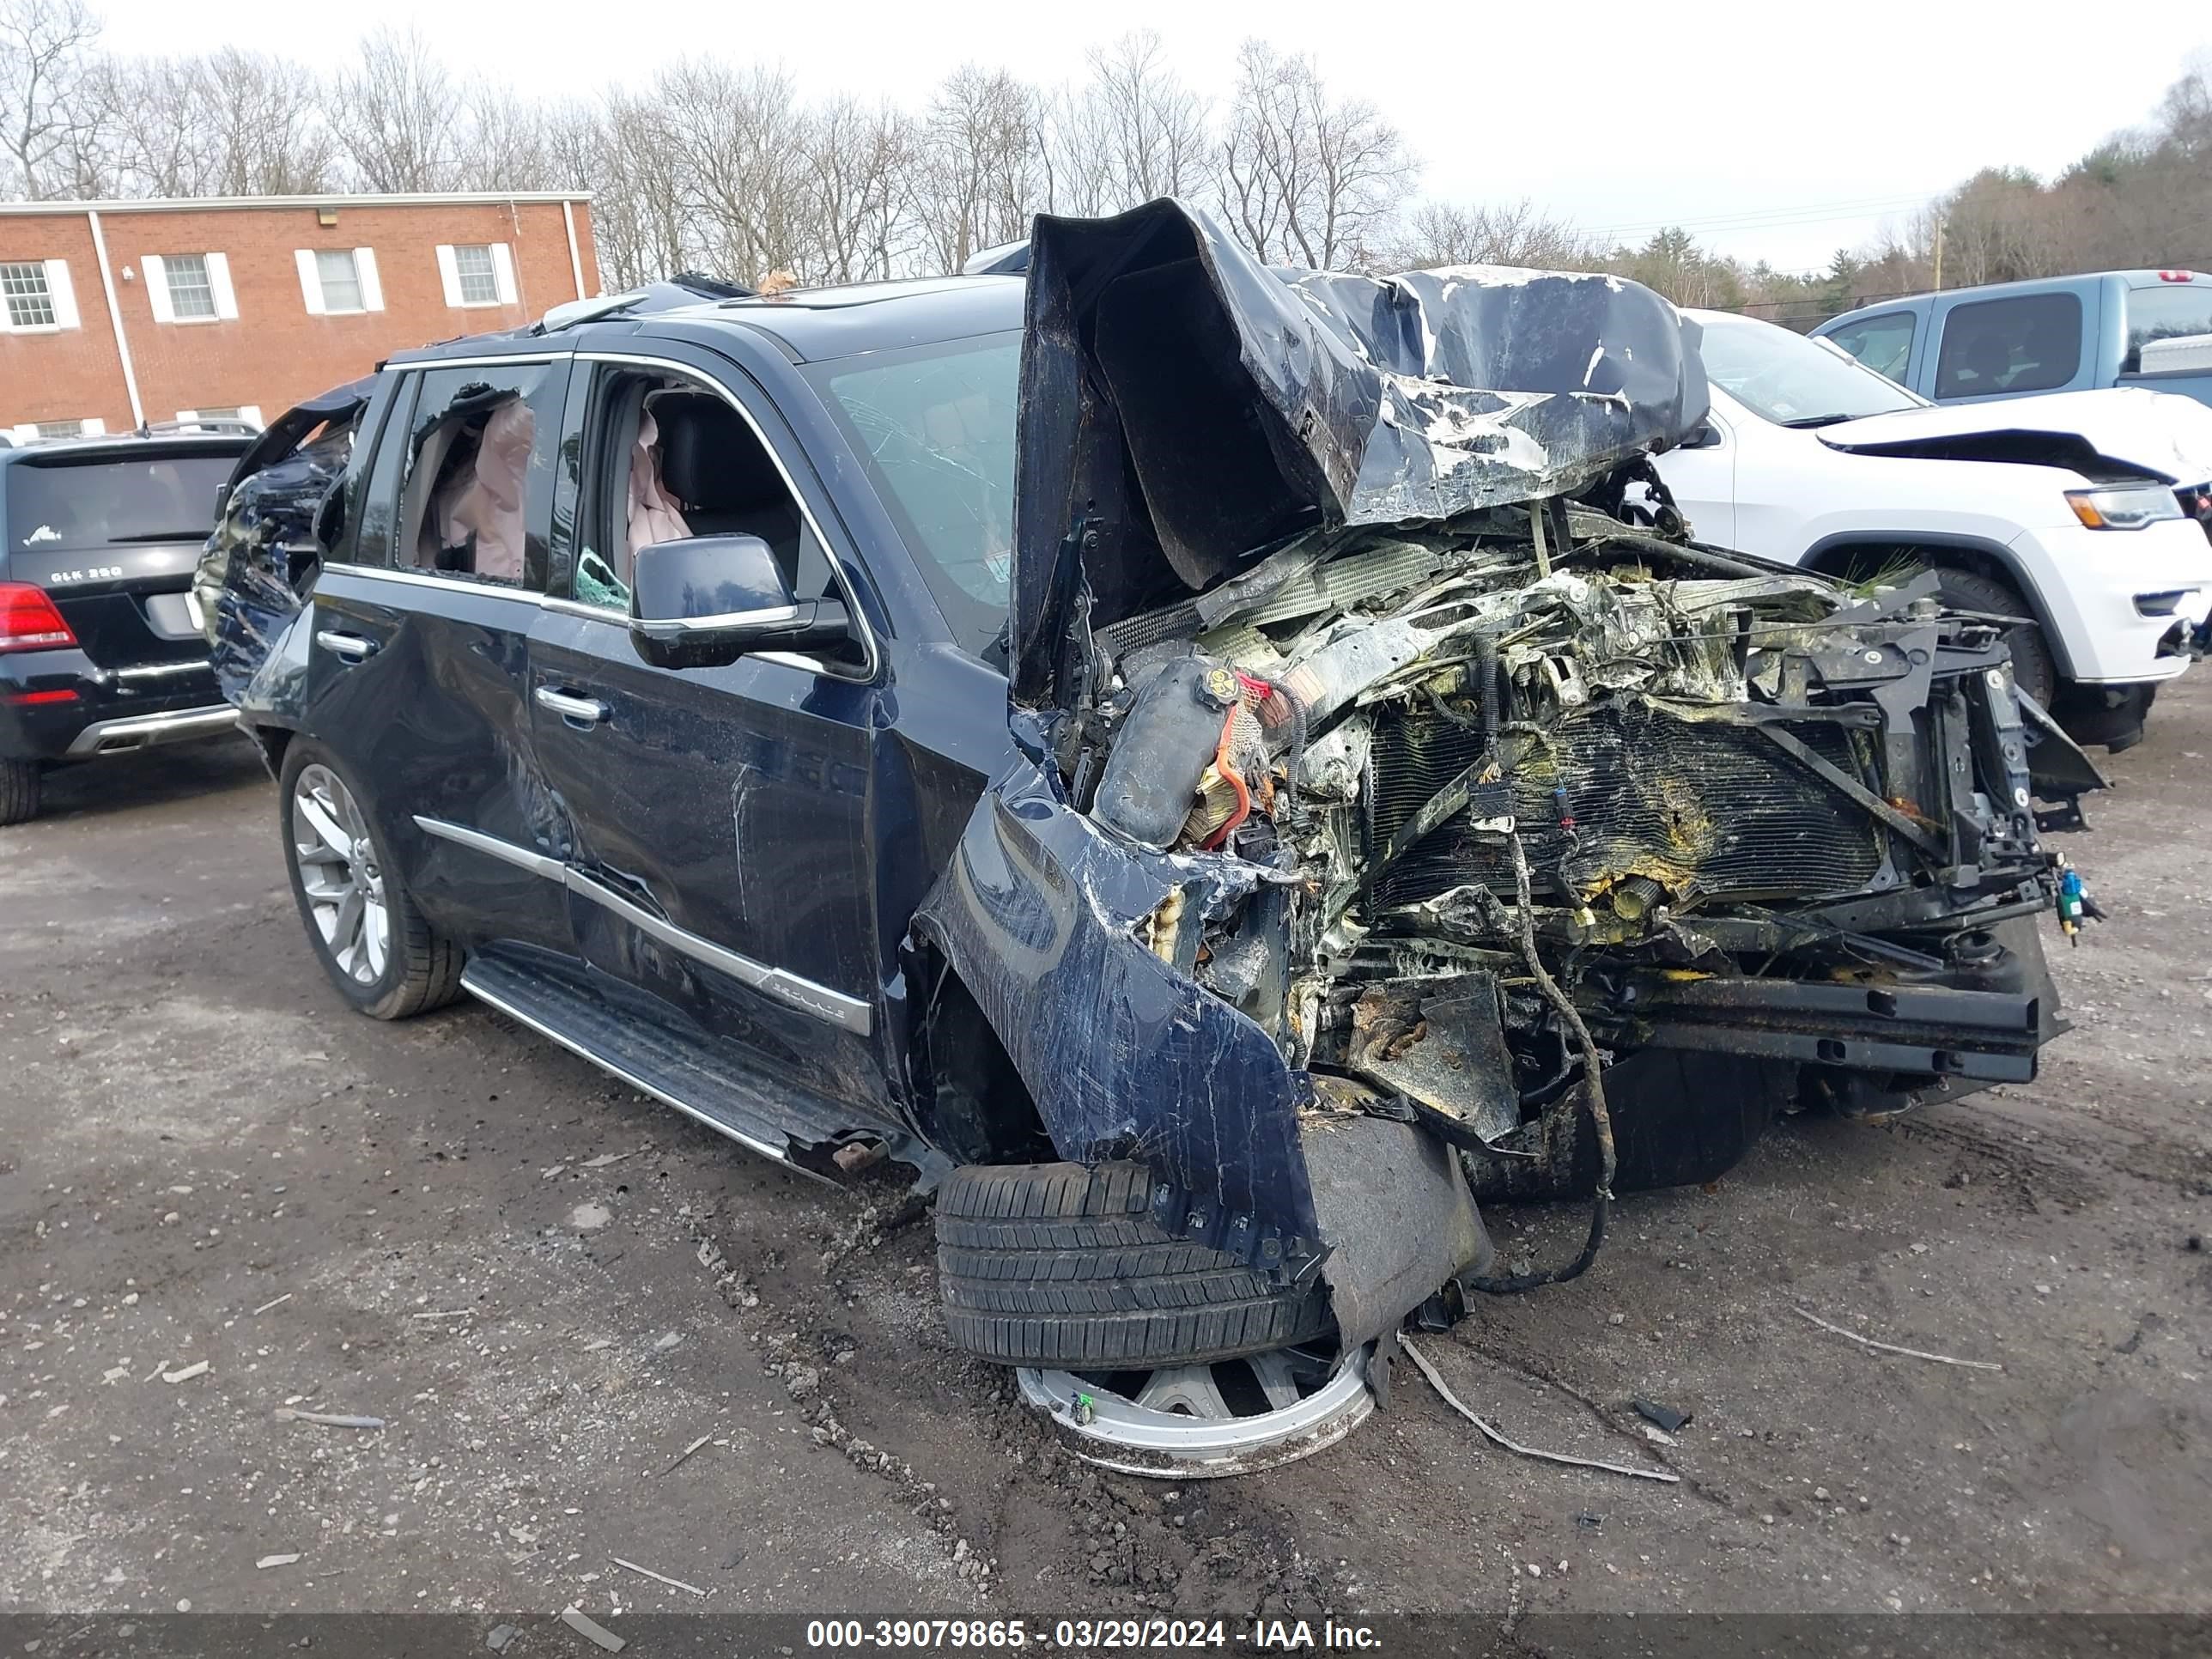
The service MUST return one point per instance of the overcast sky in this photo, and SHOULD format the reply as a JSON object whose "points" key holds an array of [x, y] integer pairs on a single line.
{"points": [[1765, 137]]}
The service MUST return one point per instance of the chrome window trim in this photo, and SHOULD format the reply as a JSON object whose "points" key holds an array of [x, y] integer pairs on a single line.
{"points": [[443, 582], [872, 667], [848, 1014], [518, 359], [676, 627], [578, 608]]}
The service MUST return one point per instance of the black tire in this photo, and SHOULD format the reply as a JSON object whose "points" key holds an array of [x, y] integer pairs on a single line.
{"points": [[21, 783], [422, 968], [2033, 667], [1053, 1264]]}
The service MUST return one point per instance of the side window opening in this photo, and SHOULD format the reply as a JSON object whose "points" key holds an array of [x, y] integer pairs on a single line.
{"points": [[1883, 343], [677, 461], [481, 460], [2180, 310], [2031, 343]]}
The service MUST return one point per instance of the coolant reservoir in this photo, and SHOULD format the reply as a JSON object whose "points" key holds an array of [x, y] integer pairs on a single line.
{"points": [[1150, 779]]}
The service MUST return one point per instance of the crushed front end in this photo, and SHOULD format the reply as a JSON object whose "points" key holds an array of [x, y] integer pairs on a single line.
{"points": [[1376, 771]]}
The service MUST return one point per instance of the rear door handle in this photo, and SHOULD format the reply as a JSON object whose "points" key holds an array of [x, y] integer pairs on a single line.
{"points": [[569, 707], [351, 647]]}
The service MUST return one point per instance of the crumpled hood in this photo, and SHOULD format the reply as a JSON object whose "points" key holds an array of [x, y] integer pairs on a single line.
{"points": [[2128, 429], [1197, 408]]}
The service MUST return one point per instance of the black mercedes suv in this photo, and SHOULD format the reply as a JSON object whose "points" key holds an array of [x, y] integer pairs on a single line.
{"points": [[101, 644], [1196, 762]]}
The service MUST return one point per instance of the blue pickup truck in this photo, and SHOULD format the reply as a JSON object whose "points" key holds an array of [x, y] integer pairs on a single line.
{"points": [[2146, 328]]}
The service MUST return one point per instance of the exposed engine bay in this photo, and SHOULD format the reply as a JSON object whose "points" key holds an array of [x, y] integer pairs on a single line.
{"points": [[1730, 809], [1382, 769]]}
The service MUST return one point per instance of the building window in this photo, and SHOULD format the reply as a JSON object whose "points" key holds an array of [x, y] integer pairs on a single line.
{"points": [[477, 273], [35, 293], [478, 286], [249, 413], [189, 288], [338, 281], [190, 293], [30, 302], [339, 273], [33, 431]]}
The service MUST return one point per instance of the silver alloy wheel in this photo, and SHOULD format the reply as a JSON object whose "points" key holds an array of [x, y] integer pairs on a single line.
{"points": [[1180, 1426], [336, 862]]}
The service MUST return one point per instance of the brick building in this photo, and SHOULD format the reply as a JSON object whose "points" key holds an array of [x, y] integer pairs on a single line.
{"points": [[113, 314]]}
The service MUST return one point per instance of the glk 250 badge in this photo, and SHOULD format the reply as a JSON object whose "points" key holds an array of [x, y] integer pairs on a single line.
{"points": [[98, 573]]}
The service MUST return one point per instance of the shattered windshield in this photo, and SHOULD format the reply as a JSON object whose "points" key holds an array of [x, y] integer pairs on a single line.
{"points": [[1790, 380], [935, 426]]}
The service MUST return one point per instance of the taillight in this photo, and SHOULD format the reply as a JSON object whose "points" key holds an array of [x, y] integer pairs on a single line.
{"points": [[28, 621]]}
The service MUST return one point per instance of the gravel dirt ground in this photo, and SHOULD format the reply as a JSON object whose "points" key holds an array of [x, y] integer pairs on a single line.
{"points": [[221, 1195]]}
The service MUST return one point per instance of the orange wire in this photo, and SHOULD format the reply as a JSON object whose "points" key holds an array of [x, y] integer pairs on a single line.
{"points": [[1221, 764]]}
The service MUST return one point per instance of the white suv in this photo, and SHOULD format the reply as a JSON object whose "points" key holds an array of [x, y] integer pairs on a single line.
{"points": [[2085, 511]]}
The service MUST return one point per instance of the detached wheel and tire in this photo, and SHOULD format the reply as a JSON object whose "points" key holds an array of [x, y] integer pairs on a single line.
{"points": [[1056, 1264], [20, 785], [2033, 667], [379, 952]]}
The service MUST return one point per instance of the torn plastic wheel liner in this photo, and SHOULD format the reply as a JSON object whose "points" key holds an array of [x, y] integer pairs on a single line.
{"points": [[1202, 1422]]}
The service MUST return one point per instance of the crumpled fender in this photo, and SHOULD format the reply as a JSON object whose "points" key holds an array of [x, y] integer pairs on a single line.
{"points": [[1037, 913], [255, 572]]}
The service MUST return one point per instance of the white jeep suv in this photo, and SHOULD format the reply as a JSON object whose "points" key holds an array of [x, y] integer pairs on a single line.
{"points": [[2087, 514]]}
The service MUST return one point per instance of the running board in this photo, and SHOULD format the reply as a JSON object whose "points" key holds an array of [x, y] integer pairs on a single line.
{"points": [[674, 1067]]}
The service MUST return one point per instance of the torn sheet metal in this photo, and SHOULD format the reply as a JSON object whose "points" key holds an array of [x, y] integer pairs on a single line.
{"points": [[252, 572], [1041, 916], [1441, 1043], [1396, 1210], [1247, 407]]}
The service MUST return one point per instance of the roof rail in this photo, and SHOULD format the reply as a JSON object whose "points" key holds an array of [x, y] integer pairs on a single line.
{"points": [[683, 288]]}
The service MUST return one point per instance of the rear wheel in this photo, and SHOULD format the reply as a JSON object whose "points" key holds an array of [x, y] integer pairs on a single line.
{"points": [[20, 785], [362, 923], [2033, 667], [1054, 1264]]}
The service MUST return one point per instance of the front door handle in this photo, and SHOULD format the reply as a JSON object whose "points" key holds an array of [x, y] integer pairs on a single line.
{"points": [[351, 647], [569, 707]]}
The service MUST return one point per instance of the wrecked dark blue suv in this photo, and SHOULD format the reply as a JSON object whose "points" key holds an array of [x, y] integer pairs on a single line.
{"points": [[1195, 761]]}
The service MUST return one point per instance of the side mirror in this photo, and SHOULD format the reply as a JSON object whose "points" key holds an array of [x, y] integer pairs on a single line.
{"points": [[706, 601], [1705, 435]]}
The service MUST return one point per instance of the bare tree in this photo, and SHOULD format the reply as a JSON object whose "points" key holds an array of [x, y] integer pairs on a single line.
{"points": [[979, 176], [403, 129], [856, 159], [1154, 126], [624, 152], [1510, 234], [1131, 132], [1308, 179], [232, 123], [269, 111], [742, 164], [45, 53]]}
